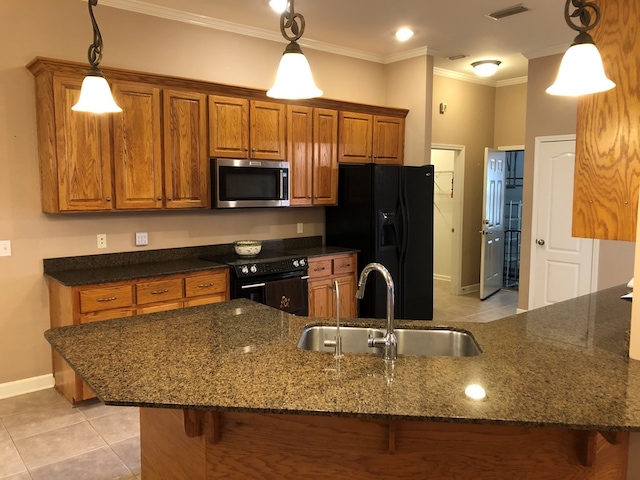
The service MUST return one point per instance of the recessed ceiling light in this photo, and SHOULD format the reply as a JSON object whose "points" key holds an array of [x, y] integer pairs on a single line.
{"points": [[278, 5], [486, 68], [404, 34]]}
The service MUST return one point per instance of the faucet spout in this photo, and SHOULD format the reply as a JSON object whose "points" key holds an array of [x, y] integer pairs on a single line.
{"points": [[389, 342]]}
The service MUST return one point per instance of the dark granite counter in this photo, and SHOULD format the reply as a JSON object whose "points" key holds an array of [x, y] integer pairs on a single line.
{"points": [[90, 276], [322, 251], [563, 365]]}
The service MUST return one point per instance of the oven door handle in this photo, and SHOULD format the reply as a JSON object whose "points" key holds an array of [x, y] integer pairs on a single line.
{"points": [[254, 285], [306, 277]]}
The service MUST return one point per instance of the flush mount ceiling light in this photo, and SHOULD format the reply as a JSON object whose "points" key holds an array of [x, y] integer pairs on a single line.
{"points": [[293, 80], [581, 70], [486, 68], [95, 94], [404, 34]]}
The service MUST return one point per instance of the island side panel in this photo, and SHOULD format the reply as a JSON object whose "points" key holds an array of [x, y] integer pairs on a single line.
{"points": [[303, 446], [166, 452]]}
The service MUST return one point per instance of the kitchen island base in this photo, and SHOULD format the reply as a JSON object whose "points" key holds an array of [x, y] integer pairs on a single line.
{"points": [[196, 444]]}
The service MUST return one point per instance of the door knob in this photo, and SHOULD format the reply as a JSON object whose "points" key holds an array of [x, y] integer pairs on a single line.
{"points": [[540, 242]]}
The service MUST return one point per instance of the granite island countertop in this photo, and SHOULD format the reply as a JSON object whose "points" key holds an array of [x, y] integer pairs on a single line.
{"points": [[565, 365]]}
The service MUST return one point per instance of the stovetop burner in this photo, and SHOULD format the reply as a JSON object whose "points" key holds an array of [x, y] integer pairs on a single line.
{"points": [[267, 262]]}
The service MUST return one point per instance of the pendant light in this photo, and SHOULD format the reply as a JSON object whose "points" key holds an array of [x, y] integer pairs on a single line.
{"points": [[95, 94], [581, 70], [293, 80]]}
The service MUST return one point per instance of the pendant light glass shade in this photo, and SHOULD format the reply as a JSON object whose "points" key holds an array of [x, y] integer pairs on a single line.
{"points": [[294, 80], [95, 95], [581, 72]]}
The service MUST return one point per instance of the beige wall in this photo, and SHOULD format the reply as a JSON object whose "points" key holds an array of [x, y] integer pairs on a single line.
{"points": [[511, 103], [408, 87], [468, 121], [61, 29]]}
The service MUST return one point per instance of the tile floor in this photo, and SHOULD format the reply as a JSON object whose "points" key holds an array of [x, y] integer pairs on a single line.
{"points": [[43, 437]]}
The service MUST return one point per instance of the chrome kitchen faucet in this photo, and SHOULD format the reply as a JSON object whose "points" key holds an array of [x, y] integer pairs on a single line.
{"points": [[389, 342]]}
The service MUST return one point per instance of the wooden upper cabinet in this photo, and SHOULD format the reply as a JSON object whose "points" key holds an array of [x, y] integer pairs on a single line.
{"points": [[300, 154], [137, 147], [267, 132], [325, 156], [312, 151], [607, 164], [388, 140], [355, 137], [242, 128], [186, 160], [228, 127], [368, 138], [79, 176]]}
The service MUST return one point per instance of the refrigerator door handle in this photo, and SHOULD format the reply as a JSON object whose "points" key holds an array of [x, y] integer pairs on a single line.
{"points": [[404, 225]]}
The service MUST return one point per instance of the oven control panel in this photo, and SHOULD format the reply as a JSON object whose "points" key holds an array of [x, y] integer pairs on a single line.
{"points": [[257, 269]]}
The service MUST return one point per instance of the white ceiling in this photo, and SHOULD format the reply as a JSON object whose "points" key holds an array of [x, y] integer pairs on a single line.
{"points": [[365, 28]]}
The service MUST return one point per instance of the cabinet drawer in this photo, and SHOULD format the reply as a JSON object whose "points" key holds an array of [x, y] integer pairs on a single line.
{"points": [[159, 291], [196, 302], [163, 307], [344, 265], [205, 284], [319, 268], [105, 298]]}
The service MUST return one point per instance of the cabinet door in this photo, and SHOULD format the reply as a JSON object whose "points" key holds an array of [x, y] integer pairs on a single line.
{"points": [[137, 155], [388, 140], [325, 157], [186, 161], [321, 298], [83, 152], [348, 304], [267, 130], [228, 127], [300, 154], [355, 137]]}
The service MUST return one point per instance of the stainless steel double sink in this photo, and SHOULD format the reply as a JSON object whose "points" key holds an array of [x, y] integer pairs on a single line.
{"points": [[427, 342]]}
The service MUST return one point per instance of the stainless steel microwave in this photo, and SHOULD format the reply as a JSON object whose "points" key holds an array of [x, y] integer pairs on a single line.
{"points": [[249, 183]]}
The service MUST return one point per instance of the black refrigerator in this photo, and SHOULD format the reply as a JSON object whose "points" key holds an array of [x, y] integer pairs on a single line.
{"points": [[386, 212]]}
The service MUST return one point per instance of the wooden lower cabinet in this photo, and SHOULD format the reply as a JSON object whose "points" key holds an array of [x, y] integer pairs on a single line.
{"points": [[107, 301], [198, 444], [323, 272]]}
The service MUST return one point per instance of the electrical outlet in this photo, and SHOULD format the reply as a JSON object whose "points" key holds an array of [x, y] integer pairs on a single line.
{"points": [[300, 227], [142, 239], [102, 240], [5, 248]]}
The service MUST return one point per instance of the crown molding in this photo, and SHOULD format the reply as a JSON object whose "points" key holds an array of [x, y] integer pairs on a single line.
{"points": [[398, 57], [512, 81], [138, 6], [464, 77]]}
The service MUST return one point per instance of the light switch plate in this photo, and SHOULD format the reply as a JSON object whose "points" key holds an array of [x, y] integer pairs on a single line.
{"points": [[5, 248], [142, 239]]}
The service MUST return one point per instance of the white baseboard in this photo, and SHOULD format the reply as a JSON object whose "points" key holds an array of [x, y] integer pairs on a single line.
{"points": [[26, 385], [470, 288], [520, 310], [444, 278]]}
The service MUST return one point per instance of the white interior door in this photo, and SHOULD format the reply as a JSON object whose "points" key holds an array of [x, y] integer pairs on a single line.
{"points": [[492, 259], [562, 266]]}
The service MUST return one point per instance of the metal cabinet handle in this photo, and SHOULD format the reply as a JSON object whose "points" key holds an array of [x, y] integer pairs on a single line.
{"points": [[206, 285], [540, 242], [108, 299], [158, 292], [319, 269], [108, 199], [344, 265]]}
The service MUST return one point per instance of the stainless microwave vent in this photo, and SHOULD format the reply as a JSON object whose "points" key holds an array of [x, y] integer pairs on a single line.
{"points": [[507, 12]]}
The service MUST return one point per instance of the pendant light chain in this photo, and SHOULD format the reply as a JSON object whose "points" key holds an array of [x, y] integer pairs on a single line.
{"points": [[290, 20], [95, 49]]}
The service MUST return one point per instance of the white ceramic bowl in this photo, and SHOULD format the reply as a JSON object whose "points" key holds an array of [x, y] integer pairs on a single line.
{"points": [[247, 248]]}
